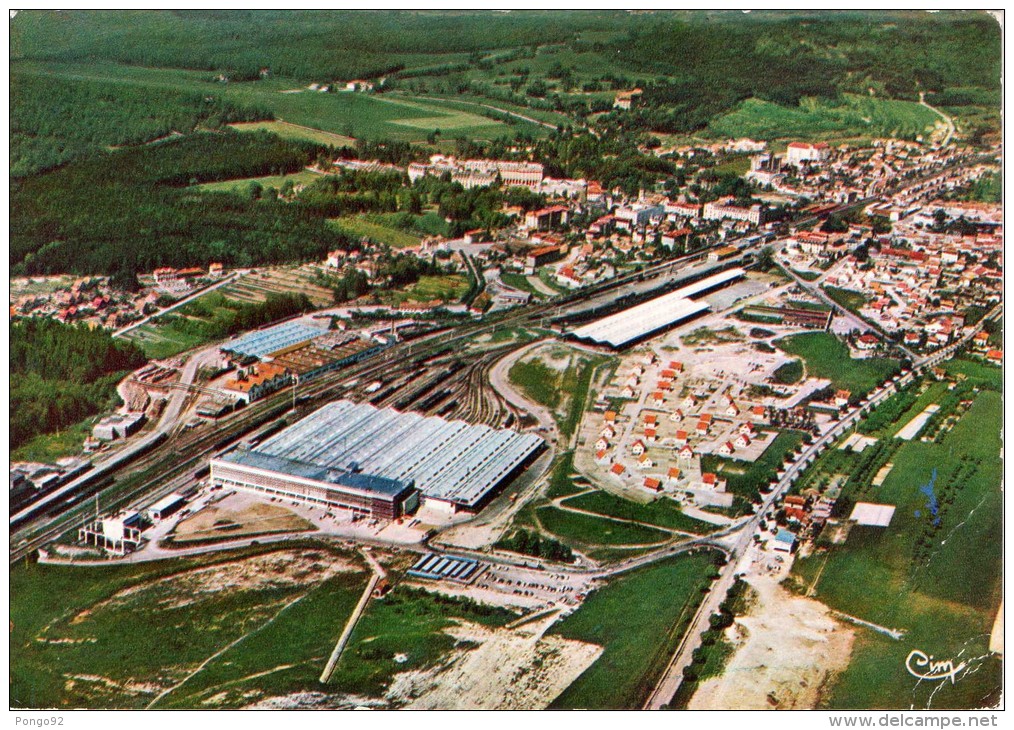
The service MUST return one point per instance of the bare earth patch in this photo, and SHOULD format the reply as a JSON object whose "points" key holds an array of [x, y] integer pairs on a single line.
{"points": [[255, 518], [788, 649], [510, 669]]}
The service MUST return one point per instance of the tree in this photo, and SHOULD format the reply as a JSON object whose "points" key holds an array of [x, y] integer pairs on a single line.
{"points": [[766, 258]]}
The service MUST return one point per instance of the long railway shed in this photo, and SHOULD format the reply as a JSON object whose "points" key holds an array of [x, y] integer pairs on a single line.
{"points": [[633, 324]]}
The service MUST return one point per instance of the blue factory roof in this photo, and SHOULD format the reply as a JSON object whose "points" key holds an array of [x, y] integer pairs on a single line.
{"points": [[315, 472], [785, 536], [262, 342]]}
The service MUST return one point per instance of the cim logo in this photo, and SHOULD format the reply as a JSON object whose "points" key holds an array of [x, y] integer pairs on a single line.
{"points": [[923, 666]]}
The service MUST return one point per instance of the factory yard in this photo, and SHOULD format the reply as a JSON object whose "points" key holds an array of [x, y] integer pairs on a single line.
{"points": [[237, 516]]}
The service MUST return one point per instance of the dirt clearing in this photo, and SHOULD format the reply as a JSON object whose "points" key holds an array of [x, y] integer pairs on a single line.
{"points": [[788, 647], [226, 521], [509, 669]]}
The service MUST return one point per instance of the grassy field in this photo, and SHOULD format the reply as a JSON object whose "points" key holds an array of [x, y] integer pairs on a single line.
{"points": [[744, 477], [357, 225], [563, 391], [938, 577], [848, 298], [162, 341], [242, 186], [638, 618], [789, 372], [347, 114], [661, 512], [828, 357], [286, 130], [855, 117], [581, 530], [448, 289], [116, 637], [989, 376], [407, 622], [520, 282]]}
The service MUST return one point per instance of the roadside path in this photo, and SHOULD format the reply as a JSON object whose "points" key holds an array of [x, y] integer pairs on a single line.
{"points": [[947, 120]]}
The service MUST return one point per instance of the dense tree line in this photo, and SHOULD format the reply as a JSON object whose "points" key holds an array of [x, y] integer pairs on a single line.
{"points": [[130, 210], [54, 120], [217, 317], [61, 374], [308, 45], [531, 543]]}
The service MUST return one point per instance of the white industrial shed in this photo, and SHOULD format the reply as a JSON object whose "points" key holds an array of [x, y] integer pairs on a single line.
{"points": [[872, 515], [644, 319], [450, 462]]}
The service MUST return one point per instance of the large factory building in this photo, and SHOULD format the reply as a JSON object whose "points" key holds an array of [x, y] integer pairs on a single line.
{"points": [[380, 462]]}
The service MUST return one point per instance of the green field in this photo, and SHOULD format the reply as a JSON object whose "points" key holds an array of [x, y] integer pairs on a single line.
{"points": [[788, 373], [348, 114], [584, 530], [854, 117], [48, 447], [360, 226], [161, 341], [662, 512], [563, 391], [940, 581], [520, 282], [828, 357], [116, 637], [286, 130], [408, 622], [638, 618], [448, 289], [989, 376], [242, 186]]}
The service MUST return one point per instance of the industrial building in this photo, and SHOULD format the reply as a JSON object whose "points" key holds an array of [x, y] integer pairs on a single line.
{"points": [[120, 533], [166, 507], [256, 345], [444, 567], [380, 461], [635, 323]]}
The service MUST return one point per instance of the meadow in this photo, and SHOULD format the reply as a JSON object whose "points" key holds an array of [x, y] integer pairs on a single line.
{"points": [[580, 530], [851, 117], [364, 227], [661, 512], [116, 637], [638, 618], [828, 357], [564, 391], [934, 573], [242, 186]]}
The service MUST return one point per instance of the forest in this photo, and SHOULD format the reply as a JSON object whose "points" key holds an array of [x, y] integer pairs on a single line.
{"points": [[131, 210], [62, 374], [59, 121]]}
